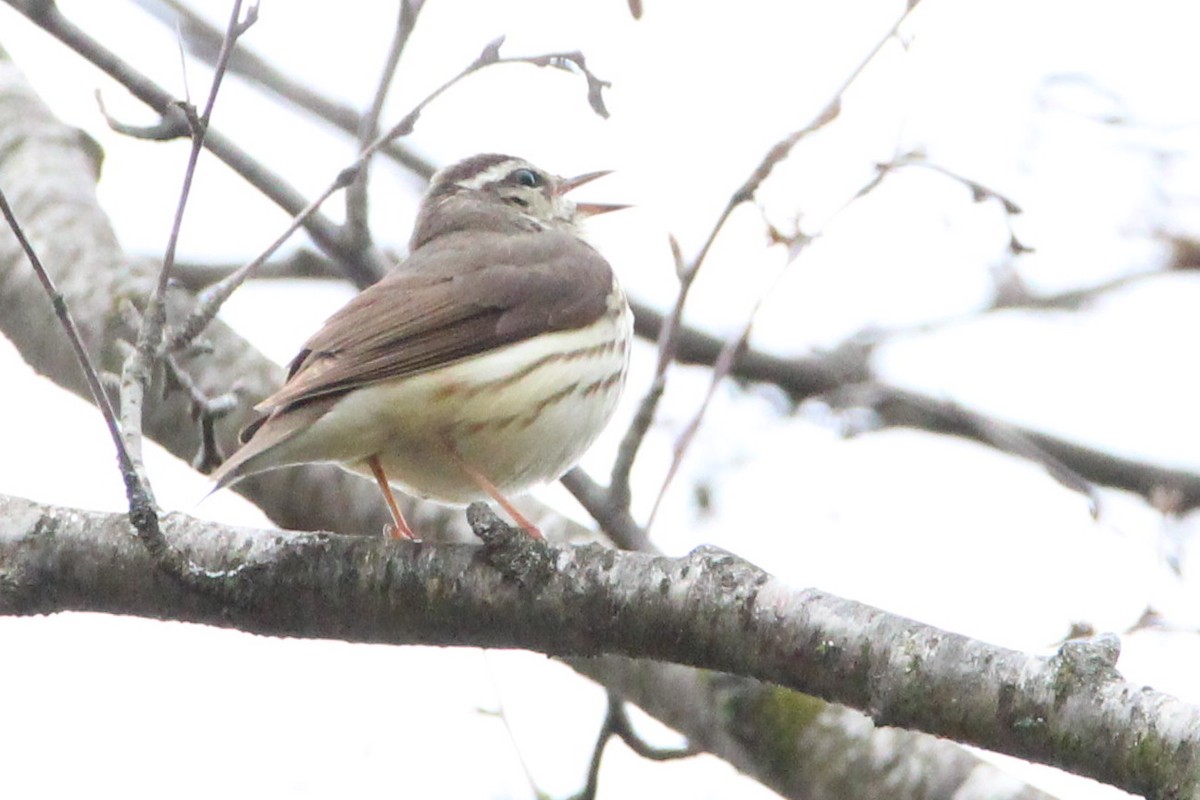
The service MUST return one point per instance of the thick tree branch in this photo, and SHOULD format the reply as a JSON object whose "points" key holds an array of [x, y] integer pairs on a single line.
{"points": [[357, 197], [708, 609]]}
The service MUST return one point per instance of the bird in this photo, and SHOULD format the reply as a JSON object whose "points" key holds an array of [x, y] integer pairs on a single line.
{"points": [[483, 364]]}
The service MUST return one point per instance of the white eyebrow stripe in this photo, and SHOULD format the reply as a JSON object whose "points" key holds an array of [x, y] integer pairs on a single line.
{"points": [[492, 174]]}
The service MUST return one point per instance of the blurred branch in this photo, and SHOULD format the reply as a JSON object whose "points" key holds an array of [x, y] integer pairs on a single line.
{"points": [[899, 407], [799, 376], [205, 411], [612, 516], [1014, 294], [1072, 710], [356, 228], [195, 276], [203, 40]]}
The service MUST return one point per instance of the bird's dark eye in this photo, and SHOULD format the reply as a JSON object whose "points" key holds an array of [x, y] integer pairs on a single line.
{"points": [[527, 177]]}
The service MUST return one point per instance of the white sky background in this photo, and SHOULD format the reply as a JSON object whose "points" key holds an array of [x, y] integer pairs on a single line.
{"points": [[1017, 95]]}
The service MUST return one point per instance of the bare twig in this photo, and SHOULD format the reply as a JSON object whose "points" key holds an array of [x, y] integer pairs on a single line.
{"points": [[568, 61], [171, 124], [142, 513], [979, 194], [205, 411], [64, 316], [209, 303], [616, 723], [502, 714], [635, 434], [631, 442], [356, 228]]}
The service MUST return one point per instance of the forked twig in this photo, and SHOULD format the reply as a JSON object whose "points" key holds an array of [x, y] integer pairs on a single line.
{"points": [[979, 193], [210, 302], [205, 411], [616, 723], [138, 369], [567, 61], [613, 517]]}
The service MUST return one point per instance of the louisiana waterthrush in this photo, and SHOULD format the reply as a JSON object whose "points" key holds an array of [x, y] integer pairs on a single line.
{"points": [[487, 362]]}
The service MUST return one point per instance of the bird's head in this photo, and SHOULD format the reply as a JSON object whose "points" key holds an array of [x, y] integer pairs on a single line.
{"points": [[502, 192]]}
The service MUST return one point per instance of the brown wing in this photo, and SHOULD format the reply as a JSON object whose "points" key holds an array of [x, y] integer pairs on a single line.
{"points": [[460, 295]]}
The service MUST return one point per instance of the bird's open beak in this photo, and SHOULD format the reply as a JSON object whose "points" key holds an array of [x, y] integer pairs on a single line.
{"points": [[588, 209]]}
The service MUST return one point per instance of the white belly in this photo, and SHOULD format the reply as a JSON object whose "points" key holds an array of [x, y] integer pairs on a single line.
{"points": [[520, 416]]}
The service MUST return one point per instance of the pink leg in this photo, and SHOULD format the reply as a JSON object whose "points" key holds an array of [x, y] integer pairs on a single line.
{"points": [[482, 482], [401, 529]]}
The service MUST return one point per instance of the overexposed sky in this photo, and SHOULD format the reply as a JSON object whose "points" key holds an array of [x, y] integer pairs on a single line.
{"points": [[1082, 113]]}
